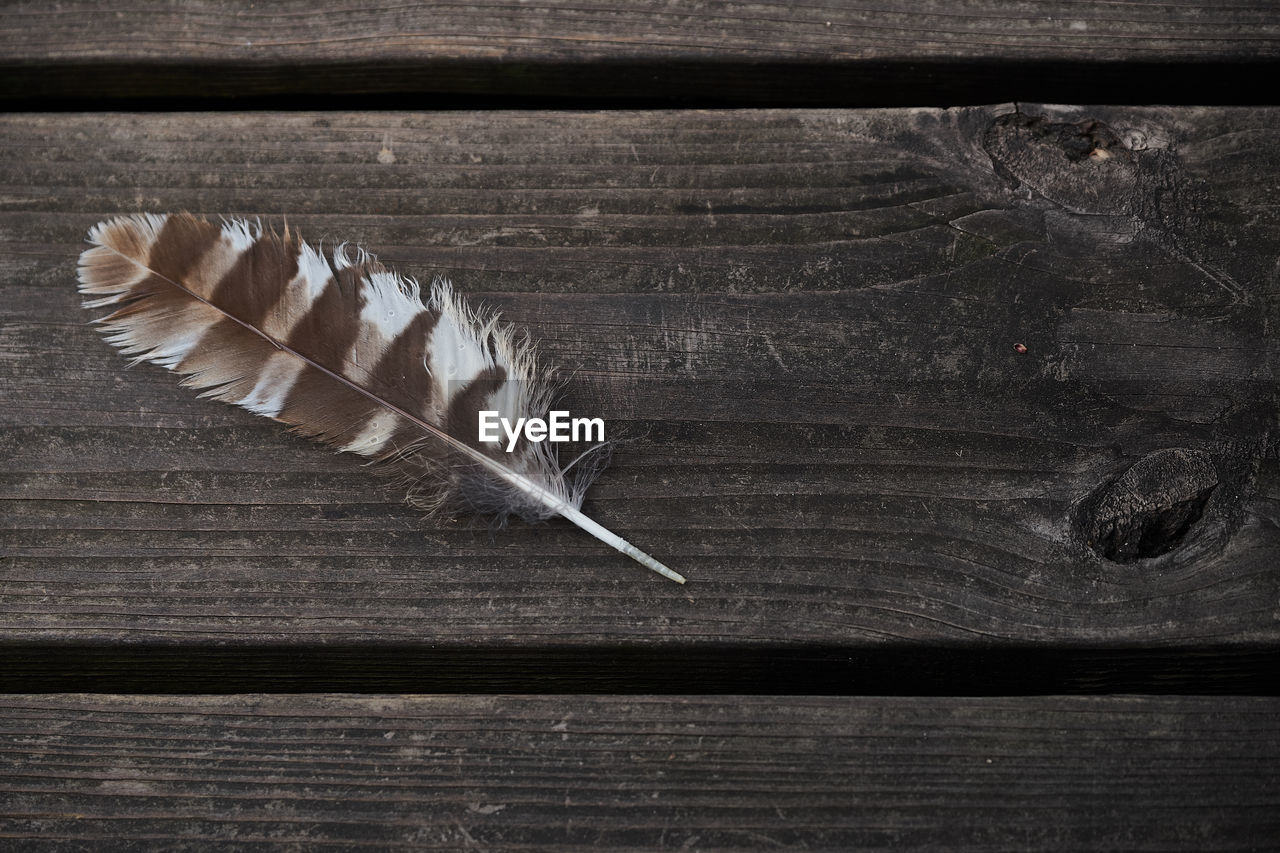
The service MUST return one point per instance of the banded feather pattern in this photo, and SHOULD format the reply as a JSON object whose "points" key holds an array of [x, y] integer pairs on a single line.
{"points": [[344, 351]]}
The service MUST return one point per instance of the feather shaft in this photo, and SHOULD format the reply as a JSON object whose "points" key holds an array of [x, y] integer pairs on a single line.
{"points": [[551, 501]]}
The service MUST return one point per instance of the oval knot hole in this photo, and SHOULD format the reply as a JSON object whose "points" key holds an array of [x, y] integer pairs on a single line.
{"points": [[1150, 508]]}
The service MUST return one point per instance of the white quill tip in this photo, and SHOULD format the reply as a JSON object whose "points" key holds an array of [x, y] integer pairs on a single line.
{"points": [[612, 539]]}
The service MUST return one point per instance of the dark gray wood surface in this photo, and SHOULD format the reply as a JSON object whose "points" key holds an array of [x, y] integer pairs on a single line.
{"points": [[806, 325], [587, 772], [560, 31], [892, 52], [936, 403]]}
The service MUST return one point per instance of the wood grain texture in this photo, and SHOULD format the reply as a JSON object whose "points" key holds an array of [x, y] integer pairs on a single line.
{"points": [[892, 52], [688, 773], [804, 322], [554, 30]]}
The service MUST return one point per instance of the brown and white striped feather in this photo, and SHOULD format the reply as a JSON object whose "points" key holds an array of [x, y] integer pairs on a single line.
{"points": [[264, 321]]}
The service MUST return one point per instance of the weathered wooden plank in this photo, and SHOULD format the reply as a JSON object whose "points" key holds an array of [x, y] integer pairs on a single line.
{"points": [[691, 773], [806, 322], [895, 52]]}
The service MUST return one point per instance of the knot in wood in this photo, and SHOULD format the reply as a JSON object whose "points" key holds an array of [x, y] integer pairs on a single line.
{"points": [[1150, 508], [1083, 167]]}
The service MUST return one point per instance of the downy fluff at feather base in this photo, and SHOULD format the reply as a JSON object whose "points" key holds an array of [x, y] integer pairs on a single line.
{"points": [[344, 351]]}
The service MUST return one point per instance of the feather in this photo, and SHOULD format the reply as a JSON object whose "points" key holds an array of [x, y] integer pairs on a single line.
{"points": [[344, 351]]}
